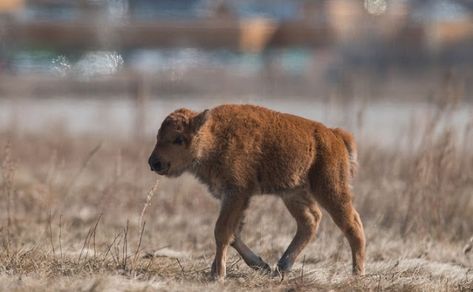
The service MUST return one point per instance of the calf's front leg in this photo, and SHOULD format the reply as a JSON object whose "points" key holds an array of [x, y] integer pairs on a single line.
{"points": [[250, 258], [231, 210]]}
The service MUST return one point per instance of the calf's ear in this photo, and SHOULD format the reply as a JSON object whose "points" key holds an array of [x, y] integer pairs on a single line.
{"points": [[199, 120]]}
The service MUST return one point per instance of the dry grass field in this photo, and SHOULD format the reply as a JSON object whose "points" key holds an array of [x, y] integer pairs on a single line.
{"points": [[83, 212]]}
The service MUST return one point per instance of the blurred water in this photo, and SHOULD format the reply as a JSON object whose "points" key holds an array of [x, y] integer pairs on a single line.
{"points": [[86, 66], [98, 63], [150, 61], [382, 123]]}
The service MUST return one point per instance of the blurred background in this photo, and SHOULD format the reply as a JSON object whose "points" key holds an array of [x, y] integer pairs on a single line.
{"points": [[91, 64]]}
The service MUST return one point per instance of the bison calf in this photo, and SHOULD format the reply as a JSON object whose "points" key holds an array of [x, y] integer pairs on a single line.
{"points": [[242, 150]]}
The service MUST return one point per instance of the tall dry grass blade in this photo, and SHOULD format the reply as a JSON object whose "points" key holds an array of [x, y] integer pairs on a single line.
{"points": [[74, 179], [8, 168], [116, 251], [95, 232], [84, 164], [468, 247], [139, 245], [180, 266], [110, 247], [51, 241], [86, 241], [148, 200], [125, 246], [89, 235], [60, 238]]}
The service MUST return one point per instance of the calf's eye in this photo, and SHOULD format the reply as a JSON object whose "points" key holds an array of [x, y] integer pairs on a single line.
{"points": [[178, 141]]}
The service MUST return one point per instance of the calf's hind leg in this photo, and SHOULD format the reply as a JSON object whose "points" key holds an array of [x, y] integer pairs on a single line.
{"points": [[307, 214], [340, 207]]}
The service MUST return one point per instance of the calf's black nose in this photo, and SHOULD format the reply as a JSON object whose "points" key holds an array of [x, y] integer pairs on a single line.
{"points": [[158, 166], [155, 164]]}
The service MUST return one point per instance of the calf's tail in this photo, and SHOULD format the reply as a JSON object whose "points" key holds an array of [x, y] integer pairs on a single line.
{"points": [[350, 144]]}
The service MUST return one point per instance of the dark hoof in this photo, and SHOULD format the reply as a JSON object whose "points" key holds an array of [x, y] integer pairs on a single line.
{"points": [[358, 272], [279, 273], [213, 269]]}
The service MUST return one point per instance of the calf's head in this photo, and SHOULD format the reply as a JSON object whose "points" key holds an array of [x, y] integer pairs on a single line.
{"points": [[173, 154]]}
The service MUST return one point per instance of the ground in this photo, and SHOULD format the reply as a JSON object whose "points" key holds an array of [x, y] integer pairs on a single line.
{"points": [[83, 212]]}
